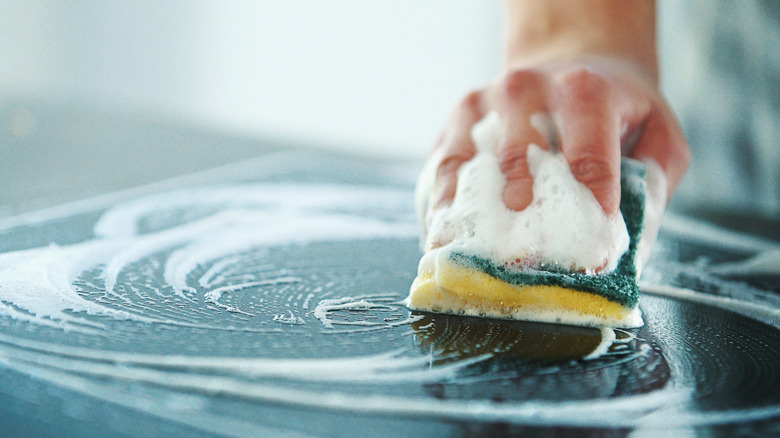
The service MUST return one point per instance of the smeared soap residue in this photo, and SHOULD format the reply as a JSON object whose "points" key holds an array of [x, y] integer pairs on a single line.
{"points": [[326, 311], [214, 295], [607, 339], [289, 318], [610, 338], [139, 311], [37, 285]]}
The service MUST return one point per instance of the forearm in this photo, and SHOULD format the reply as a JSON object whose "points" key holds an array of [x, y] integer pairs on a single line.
{"points": [[539, 31]]}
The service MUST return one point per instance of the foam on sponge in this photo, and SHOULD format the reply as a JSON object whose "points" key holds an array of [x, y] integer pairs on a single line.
{"points": [[562, 259]]}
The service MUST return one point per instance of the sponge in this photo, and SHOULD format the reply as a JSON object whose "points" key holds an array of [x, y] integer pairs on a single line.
{"points": [[451, 280]]}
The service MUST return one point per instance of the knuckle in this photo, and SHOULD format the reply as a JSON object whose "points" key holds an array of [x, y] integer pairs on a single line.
{"points": [[593, 170], [518, 81], [471, 102], [450, 164], [513, 162], [582, 83]]}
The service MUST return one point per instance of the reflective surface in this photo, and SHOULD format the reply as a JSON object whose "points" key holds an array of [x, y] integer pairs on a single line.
{"points": [[265, 299]]}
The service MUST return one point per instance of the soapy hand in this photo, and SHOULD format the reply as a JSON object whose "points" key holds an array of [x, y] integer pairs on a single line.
{"points": [[581, 78], [593, 110]]}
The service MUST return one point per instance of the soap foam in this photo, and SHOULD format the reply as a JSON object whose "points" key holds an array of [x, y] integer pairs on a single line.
{"points": [[564, 225], [37, 285]]}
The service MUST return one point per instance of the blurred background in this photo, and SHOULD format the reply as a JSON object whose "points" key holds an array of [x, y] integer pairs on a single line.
{"points": [[211, 82], [353, 75]]}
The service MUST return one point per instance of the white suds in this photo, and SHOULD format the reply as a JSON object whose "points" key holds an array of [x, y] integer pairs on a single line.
{"points": [[213, 296], [337, 311], [37, 285], [325, 308], [607, 339], [564, 224]]}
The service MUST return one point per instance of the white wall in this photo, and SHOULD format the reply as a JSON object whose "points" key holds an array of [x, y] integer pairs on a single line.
{"points": [[350, 74]]}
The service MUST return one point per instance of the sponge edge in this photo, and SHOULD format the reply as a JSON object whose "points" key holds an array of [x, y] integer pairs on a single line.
{"points": [[455, 281], [444, 286]]}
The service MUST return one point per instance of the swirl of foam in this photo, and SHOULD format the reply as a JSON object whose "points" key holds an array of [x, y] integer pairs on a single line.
{"points": [[193, 228]]}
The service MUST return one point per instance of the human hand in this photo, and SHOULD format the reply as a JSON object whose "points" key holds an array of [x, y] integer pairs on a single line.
{"points": [[601, 109]]}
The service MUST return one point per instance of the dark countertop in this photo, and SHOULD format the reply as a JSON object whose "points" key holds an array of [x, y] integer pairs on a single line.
{"points": [[308, 337]]}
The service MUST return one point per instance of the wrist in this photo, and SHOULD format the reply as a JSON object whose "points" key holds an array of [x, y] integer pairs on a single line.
{"points": [[540, 32]]}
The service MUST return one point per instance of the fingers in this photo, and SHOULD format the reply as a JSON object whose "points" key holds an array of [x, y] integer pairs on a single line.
{"points": [[518, 98], [663, 141], [598, 119], [457, 146], [590, 137]]}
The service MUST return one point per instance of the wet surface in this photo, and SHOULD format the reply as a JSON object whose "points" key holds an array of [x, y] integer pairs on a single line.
{"points": [[265, 299]]}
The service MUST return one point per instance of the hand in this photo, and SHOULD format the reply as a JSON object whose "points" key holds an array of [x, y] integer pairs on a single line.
{"points": [[603, 109]]}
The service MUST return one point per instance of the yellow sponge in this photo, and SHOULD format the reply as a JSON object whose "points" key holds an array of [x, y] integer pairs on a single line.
{"points": [[452, 288]]}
